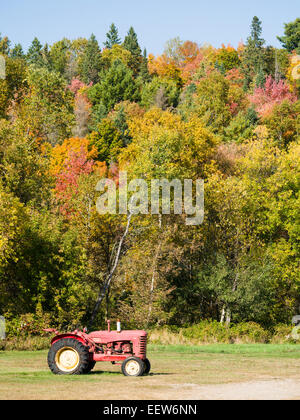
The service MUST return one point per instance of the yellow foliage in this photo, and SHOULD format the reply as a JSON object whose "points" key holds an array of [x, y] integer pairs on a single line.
{"points": [[61, 153], [165, 67], [165, 144]]}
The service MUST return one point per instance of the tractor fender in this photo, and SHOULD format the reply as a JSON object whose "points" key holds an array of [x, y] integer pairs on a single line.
{"points": [[63, 336]]}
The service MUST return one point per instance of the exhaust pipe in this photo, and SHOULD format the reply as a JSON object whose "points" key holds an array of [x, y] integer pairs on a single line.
{"points": [[119, 326]]}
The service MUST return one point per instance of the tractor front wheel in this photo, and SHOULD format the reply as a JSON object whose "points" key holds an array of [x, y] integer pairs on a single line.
{"points": [[69, 357], [133, 366]]}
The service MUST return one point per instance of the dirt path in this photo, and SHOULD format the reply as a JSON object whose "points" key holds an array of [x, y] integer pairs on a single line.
{"points": [[279, 389]]}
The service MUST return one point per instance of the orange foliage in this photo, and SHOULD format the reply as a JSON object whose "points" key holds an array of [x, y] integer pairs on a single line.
{"points": [[163, 66], [61, 154]]}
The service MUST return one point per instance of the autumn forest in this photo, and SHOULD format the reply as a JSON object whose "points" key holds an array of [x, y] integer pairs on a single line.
{"points": [[80, 110]]}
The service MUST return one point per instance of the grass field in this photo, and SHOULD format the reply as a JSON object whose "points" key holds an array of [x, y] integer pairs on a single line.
{"points": [[178, 372]]}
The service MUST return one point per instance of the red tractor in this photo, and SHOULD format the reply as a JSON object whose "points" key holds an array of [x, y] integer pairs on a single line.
{"points": [[76, 353]]}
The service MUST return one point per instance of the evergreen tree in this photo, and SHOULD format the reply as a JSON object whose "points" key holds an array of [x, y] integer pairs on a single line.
{"points": [[112, 37], [291, 39], [260, 78], [256, 31], [220, 67], [34, 54], [46, 57], [117, 85], [91, 61], [131, 44], [144, 71], [253, 56], [17, 51]]}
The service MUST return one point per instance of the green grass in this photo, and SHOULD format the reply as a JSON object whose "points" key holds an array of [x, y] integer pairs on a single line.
{"points": [[25, 374], [259, 350]]}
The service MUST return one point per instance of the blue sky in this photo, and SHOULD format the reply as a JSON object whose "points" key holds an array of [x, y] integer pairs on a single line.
{"points": [[155, 21]]}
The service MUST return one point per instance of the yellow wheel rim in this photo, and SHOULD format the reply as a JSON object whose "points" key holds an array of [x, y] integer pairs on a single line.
{"points": [[67, 359], [132, 368]]}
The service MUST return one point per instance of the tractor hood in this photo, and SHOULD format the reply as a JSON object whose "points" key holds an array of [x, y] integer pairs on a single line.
{"points": [[115, 336]]}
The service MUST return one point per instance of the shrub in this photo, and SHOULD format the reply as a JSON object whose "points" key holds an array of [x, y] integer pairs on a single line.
{"points": [[249, 332], [27, 325], [282, 334], [208, 332], [25, 344]]}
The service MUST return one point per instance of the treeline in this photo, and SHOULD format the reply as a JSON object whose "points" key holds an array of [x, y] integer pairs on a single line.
{"points": [[76, 111]]}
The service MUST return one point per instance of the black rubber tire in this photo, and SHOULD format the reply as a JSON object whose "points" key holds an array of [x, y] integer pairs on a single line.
{"points": [[90, 367], [140, 363], [83, 352], [147, 366]]}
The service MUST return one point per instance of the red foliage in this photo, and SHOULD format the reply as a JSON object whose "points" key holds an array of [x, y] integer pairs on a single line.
{"points": [[76, 85], [192, 66], [235, 77], [271, 94], [67, 180]]}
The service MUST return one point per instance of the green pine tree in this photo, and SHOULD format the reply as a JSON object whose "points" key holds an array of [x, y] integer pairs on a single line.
{"points": [[112, 37], [291, 39], [117, 85], [17, 51], [34, 54], [46, 56], [91, 62], [253, 56], [260, 79], [132, 45], [144, 71]]}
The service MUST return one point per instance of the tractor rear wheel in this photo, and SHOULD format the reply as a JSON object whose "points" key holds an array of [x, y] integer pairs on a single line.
{"points": [[68, 357], [147, 366], [133, 366]]}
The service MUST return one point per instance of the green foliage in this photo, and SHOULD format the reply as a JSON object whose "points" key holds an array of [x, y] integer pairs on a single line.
{"points": [[284, 123], [116, 85], [14, 85], [58, 55], [107, 140], [34, 54], [240, 129], [49, 107], [210, 102], [28, 325], [90, 63], [281, 333], [229, 59], [112, 37], [131, 44], [162, 93], [253, 54], [17, 52], [249, 332], [291, 38], [208, 332]]}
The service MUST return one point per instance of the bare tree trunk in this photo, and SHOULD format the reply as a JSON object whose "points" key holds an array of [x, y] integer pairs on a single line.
{"points": [[228, 317], [153, 283], [153, 275], [223, 315], [107, 303], [108, 280]]}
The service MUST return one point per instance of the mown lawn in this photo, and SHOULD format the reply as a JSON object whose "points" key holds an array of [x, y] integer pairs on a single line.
{"points": [[25, 375]]}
